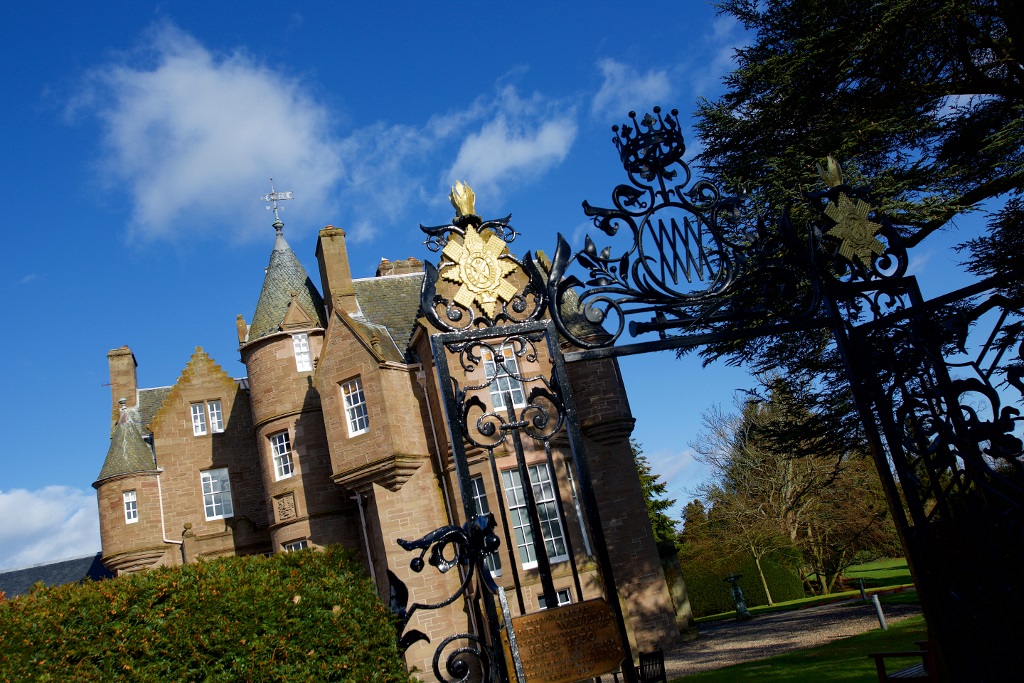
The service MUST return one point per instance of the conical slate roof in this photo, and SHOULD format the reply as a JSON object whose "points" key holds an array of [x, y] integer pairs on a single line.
{"points": [[284, 275], [128, 452]]}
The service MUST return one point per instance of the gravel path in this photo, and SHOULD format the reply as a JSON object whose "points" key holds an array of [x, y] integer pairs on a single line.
{"points": [[730, 642]]}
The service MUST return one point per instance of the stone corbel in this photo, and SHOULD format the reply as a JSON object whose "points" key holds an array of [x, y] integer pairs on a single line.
{"points": [[390, 472]]}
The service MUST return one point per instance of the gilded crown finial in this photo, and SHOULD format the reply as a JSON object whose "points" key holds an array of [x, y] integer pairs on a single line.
{"points": [[463, 199]]}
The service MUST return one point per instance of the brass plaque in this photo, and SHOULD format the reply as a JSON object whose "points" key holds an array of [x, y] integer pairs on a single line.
{"points": [[566, 644]]}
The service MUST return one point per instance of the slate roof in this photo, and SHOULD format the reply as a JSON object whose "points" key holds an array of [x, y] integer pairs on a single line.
{"points": [[284, 275], [392, 301], [19, 581], [128, 451], [150, 401]]}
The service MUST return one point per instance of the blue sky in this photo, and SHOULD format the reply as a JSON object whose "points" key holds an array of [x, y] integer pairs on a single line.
{"points": [[138, 137]]}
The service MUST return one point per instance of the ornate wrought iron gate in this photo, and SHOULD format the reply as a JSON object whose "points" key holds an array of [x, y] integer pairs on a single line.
{"points": [[694, 270]]}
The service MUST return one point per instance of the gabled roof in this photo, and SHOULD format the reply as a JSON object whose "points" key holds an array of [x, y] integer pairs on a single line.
{"points": [[376, 338], [128, 451], [20, 581], [392, 301], [285, 275]]}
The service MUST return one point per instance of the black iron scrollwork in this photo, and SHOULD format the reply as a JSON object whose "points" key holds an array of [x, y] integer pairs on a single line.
{"points": [[687, 245], [959, 432], [536, 401], [868, 257], [449, 546], [475, 257]]}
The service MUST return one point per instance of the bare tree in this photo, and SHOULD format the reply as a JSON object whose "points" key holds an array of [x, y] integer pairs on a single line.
{"points": [[777, 482]]}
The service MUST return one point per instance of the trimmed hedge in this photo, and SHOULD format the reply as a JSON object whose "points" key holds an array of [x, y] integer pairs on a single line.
{"points": [[308, 615], [710, 594]]}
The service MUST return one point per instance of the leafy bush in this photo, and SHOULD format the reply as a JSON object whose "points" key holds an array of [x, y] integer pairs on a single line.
{"points": [[296, 616], [710, 594]]}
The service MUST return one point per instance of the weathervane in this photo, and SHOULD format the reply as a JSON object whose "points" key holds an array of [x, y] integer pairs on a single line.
{"points": [[275, 197]]}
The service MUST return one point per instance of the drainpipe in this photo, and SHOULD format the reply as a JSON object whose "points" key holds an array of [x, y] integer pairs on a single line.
{"points": [[358, 498], [163, 527], [421, 377]]}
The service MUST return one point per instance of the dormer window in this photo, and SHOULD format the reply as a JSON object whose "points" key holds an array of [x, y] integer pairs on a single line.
{"points": [[303, 361]]}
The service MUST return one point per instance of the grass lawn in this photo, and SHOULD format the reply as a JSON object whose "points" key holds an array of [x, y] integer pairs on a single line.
{"points": [[887, 573], [843, 661], [880, 573]]}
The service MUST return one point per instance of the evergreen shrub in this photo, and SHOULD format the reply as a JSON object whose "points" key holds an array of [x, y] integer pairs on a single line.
{"points": [[302, 616], [710, 594]]}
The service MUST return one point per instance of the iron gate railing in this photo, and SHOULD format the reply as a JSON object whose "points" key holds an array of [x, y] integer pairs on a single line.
{"points": [[694, 270]]}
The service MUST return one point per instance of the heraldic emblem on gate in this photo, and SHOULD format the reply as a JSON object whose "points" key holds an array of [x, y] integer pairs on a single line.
{"points": [[686, 265]]}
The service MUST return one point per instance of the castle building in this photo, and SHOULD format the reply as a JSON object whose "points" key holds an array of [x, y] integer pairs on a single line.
{"points": [[338, 435]]}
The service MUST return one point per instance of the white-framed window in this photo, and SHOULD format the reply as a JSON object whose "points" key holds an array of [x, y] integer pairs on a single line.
{"points": [[292, 546], [216, 416], [551, 526], [303, 362], [217, 493], [502, 378], [199, 413], [198, 419], [564, 597], [282, 450], [131, 507], [356, 416], [492, 560]]}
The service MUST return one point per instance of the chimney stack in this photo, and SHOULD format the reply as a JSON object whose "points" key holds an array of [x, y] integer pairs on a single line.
{"points": [[335, 274], [123, 381]]}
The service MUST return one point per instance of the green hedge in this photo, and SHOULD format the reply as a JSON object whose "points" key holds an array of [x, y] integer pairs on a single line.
{"points": [[710, 594], [300, 616]]}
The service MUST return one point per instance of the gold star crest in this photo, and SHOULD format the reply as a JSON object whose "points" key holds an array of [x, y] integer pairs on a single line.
{"points": [[476, 266], [854, 229]]}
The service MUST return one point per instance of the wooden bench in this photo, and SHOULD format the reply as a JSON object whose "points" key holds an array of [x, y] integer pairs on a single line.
{"points": [[924, 671]]}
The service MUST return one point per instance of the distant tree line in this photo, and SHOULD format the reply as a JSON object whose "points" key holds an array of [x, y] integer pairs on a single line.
{"points": [[783, 495], [781, 486]]}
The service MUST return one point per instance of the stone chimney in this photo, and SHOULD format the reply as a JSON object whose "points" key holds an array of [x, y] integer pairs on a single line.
{"points": [[335, 274], [400, 267], [123, 381]]}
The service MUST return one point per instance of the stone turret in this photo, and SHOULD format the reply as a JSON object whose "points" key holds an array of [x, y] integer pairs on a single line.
{"points": [[281, 350], [127, 490]]}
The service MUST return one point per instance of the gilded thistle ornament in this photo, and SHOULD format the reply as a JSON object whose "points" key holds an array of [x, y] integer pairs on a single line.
{"points": [[475, 262], [854, 229], [463, 199]]}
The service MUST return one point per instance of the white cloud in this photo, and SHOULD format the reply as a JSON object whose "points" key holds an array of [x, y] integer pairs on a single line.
{"points": [[919, 261], [193, 136], [681, 471], [52, 523], [381, 178], [624, 88], [521, 140], [720, 44]]}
